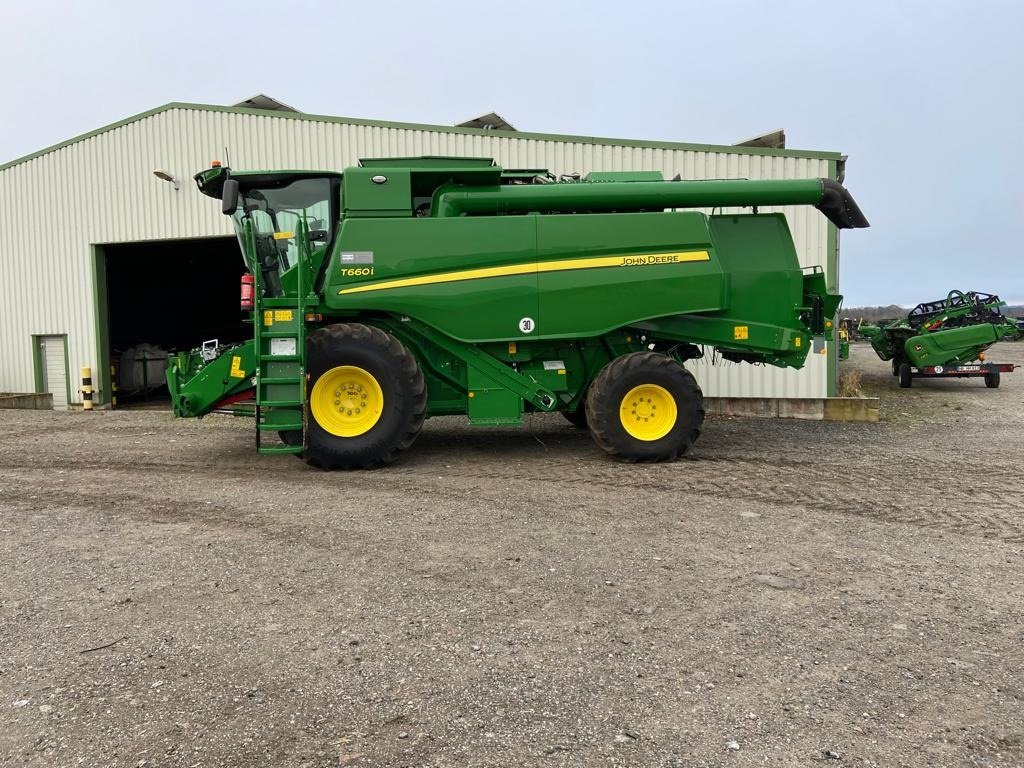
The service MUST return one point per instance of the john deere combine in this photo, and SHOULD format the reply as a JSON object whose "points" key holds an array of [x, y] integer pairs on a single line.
{"points": [[415, 287], [945, 338]]}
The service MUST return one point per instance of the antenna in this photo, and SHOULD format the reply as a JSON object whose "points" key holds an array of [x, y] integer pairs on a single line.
{"points": [[227, 157]]}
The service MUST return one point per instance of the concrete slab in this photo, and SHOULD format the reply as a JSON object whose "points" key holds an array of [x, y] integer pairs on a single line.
{"points": [[27, 401], [815, 409]]}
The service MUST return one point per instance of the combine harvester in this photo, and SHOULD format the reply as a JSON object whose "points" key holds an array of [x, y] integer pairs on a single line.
{"points": [[415, 287], [945, 339]]}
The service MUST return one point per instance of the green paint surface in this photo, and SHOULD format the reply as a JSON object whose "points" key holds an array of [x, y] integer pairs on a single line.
{"points": [[512, 294]]}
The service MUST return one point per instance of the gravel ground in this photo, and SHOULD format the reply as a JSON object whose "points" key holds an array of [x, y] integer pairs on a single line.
{"points": [[793, 594]]}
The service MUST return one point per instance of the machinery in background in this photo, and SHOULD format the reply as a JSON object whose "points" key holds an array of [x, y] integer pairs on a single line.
{"points": [[945, 339]]}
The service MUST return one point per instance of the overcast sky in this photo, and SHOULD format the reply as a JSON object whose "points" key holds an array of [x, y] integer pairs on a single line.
{"points": [[926, 98]]}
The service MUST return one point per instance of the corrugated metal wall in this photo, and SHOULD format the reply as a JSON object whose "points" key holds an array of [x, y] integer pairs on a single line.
{"points": [[55, 207]]}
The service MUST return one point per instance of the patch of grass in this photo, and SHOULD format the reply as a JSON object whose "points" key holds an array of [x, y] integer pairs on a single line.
{"points": [[849, 384]]}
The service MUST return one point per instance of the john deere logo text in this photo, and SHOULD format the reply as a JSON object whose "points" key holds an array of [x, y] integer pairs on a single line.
{"points": [[656, 258]]}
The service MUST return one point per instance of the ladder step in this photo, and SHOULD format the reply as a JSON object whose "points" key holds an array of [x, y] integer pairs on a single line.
{"points": [[272, 449], [281, 358], [282, 379], [281, 403], [278, 334], [286, 426]]}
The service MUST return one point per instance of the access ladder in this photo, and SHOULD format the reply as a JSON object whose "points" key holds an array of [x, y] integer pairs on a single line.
{"points": [[280, 333]]}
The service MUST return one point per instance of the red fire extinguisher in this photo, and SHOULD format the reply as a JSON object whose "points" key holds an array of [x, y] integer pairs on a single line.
{"points": [[248, 290]]}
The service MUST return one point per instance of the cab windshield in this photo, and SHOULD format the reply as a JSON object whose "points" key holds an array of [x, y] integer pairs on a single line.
{"points": [[276, 210]]}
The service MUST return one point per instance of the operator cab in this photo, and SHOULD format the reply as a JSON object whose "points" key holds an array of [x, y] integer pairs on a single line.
{"points": [[278, 206]]}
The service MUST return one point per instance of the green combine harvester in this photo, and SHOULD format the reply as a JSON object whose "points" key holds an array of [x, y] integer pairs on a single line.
{"points": [[945, 339], [414, 287]]}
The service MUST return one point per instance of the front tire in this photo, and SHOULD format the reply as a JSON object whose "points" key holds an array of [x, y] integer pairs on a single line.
{"points": [[367, 398], [645, 406]]}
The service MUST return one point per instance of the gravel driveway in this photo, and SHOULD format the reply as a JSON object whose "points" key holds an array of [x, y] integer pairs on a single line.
{"points": [[794, 593]]}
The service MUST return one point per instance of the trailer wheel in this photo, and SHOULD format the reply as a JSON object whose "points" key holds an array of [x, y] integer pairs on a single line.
{"points": [[906, 379], [367, 399], [645, 407], [992, 379], [895, 366]]}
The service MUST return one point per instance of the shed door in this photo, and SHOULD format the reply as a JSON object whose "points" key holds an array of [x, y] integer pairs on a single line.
{"points": [[55, 373]]}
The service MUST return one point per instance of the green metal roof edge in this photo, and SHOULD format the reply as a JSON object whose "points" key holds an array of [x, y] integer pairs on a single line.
{"points": [[720, 148]]}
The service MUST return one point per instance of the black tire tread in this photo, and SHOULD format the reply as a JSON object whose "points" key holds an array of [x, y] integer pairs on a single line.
{"points": [[906, 377], [600, 420], [577, 418], [325, 338]]}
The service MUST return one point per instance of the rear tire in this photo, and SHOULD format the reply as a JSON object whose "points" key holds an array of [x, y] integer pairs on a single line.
{"points": [[623, 402], [906, 379], [992, 379], [577, 418], [291, 437], [367, 398]]}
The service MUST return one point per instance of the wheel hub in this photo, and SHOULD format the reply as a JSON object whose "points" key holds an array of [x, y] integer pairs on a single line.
{"points": [[648, 412], [347, 401]]}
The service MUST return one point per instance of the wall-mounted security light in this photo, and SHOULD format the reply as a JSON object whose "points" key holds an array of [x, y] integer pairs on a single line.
{"points": [[163, 175]]}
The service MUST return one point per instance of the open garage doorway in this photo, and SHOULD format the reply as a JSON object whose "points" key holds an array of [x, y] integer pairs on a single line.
{"points": [[160, 297]]}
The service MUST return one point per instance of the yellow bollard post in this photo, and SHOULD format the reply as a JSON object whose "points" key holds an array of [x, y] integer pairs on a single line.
{"points": [[86, 388], [113, 387]]}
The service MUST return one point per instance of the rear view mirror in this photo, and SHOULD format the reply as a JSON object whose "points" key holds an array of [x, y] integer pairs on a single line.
{"points": [[229, 197]]}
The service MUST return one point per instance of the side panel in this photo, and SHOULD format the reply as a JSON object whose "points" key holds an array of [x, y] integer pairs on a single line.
{"points": [[952, 345], [765, 279], [765, 316], [473, 278], [667, 266], [477, 278]]}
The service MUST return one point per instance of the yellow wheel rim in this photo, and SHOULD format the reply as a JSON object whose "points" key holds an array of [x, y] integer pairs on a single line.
{"points": [[648, 412], [347, 401]]}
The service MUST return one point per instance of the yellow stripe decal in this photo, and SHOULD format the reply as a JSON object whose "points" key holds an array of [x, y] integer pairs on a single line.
{"points": [[630, 260]]}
